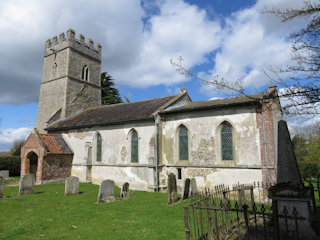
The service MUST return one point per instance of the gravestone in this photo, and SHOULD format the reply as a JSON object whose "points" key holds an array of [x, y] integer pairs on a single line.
{"points": [[193, 186], [289, 194], [125, 190], [172, 188], [4, 174], [186, 189], [26, 184], [106, 191], [1, 186], [71, 186]]}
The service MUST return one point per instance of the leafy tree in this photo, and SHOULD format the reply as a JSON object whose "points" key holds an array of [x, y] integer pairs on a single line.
{"points": [[16, 147], [300, 146], [302, 89], [109, 94]]}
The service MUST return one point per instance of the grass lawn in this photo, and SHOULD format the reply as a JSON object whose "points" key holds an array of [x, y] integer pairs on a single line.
{"points": [[48, 214]]}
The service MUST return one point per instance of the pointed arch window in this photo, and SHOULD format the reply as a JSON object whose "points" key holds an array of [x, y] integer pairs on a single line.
{"points": [[134, 146], [99, 147], [226, 142], [85, 73], [183, 143]]}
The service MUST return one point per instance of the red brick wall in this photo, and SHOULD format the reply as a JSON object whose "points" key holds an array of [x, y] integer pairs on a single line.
{"points": [[270, 147], [56, 166]]}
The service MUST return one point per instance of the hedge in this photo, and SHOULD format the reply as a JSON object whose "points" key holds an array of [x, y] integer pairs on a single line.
{"points": [[11, 163], [309, 169]]}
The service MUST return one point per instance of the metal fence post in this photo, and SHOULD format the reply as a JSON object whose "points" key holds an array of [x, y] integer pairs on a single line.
{"points": [[186, 222]]}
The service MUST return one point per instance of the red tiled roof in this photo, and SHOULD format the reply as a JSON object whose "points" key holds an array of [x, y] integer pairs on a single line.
{"points": [[55, 144]]}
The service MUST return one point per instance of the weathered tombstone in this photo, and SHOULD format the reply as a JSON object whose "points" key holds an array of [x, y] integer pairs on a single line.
{"points": [[186, 189], [193, 186], [26, 184], [172, 188], [71, 186], [106, 191], [289, 194], [4, 174], [125, 190], [1, 186]]}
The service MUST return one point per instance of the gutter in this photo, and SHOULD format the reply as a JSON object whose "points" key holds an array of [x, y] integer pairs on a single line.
{"points": [[156, 135], [264, 144]]}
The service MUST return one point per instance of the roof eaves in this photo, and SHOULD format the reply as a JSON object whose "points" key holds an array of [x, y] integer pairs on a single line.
{"points": [[97, 124]]}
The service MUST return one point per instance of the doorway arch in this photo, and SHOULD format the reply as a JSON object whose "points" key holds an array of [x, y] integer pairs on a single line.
{"points": [[33, 160]]}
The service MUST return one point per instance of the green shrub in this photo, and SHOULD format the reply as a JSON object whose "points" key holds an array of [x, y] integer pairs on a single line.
{"points": [[308, 169], [11, 163]]}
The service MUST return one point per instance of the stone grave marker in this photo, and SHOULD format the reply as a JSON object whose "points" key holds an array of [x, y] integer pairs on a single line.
{"points": [[106, 191], [172, 188], [186, 189], [71, 186], [193, 186], [26, 184], [1, 186], [4, 173], [289, 193], [125, 190]]}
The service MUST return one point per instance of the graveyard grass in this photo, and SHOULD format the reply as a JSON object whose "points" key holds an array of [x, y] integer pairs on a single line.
{"points": [[48, 214]]}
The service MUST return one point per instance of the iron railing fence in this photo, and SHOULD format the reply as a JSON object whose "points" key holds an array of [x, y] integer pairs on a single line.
{"points": [[231, 213]]}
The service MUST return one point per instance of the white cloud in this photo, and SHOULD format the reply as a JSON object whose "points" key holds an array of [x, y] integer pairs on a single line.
{"points": [[8, 136], [252, 41]]}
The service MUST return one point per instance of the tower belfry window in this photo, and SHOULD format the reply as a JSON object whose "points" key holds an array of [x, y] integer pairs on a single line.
{"points": [[85, 73], [54, 70]]}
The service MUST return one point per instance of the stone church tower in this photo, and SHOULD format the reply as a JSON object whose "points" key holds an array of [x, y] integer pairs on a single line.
{"points": [[70, 78]]}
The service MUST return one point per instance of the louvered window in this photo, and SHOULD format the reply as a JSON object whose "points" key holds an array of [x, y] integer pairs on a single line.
{"points": [[183, 143], [134, 146], [99, 147], [226, 142]]}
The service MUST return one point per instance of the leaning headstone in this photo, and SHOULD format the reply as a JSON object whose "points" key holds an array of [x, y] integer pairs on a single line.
{"points": [[289, 195], [1, 186], [106, 191], [172, 188], [186, 189], [26, 184], [193, 186], [71, 186], [4, 173], [125, 190]]}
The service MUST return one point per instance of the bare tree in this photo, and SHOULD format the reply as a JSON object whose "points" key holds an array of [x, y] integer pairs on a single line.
{"points": [[16, 147], [301, 90]]}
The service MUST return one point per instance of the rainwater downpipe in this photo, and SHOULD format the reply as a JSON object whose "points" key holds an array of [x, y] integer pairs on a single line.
{"points": [[156, 124], [264, 144]]}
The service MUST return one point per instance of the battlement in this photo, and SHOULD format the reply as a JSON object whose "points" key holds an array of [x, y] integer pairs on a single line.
{"points": [[69, 40]]}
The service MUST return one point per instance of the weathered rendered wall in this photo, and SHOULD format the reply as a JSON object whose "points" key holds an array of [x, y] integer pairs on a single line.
{"points": [[205, 162], [116, 154]]}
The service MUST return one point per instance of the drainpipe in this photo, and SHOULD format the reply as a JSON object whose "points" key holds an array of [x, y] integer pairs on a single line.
{"points": [[264, 144], [156, 124]]}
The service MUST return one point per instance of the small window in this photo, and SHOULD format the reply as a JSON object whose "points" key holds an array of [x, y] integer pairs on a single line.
{"points": [[183, 143], [134, 146], [85, 73], [226, 141], [179, 173], [54, 71], [99, 147]]}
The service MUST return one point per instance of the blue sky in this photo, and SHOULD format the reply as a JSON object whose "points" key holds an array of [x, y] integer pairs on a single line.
{"points": [[230, 38]]}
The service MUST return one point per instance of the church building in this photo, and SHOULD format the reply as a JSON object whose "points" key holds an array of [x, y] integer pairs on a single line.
{"points": [[229, 141]]}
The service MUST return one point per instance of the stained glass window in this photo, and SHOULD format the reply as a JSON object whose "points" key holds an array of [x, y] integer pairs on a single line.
{"points": [[226, 142], [99, 147], [134, 146], [183, 143]]}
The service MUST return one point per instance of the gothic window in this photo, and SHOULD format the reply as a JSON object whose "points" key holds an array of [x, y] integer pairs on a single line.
{"points": [[226, 142], [134, 146], [183, 143], [99, 147], [85, 73]]}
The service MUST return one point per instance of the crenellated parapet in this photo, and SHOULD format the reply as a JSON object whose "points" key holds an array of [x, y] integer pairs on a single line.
{"points": [[69, 40]]}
